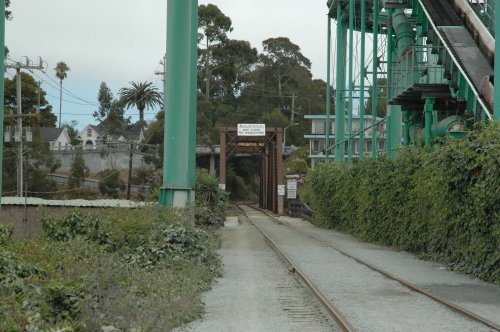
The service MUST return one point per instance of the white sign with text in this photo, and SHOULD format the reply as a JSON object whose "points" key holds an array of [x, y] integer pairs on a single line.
{"points": [[251, 129]]}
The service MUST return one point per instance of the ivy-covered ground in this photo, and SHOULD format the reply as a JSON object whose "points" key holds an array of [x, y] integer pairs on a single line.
{"points": [[442, 203], [129, 270]]}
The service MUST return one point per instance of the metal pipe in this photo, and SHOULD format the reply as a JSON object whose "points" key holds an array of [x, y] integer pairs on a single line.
{"points": [[362, 85], [429, 107], [2, 70], [375, 77], [404, 32], [352, 15], [496, 106], [328, 90], [180, 106], [340, 87], [390, 31]]}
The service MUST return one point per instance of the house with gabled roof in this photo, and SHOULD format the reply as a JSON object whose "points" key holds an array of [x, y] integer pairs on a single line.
{"points": [[57, 138], [107, 132]]}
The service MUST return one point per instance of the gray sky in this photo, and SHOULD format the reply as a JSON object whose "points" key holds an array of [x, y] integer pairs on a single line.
{"points": [[118, 41]]}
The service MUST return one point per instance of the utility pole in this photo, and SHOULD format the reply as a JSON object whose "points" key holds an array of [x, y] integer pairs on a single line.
{"points": [[19, 137], [130, 162]]}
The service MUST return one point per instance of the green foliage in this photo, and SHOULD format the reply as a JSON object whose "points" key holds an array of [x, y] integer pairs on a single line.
{"points": [[442, 204], [73, 224], [210, 201], [298, 162], [6, 232], [79, 171], [30, 90], [111, 184], [147, 275], [142, 95]]}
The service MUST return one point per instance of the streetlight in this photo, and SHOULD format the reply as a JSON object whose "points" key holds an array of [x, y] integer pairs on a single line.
{"points": [[284, 134]]}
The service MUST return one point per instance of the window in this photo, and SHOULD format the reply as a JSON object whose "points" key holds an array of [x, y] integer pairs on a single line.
{"points": [[58, 145], [89, 132], [319, 127]]}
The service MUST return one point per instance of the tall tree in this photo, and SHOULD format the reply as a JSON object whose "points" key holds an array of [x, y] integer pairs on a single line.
{"points": [[79, 171], [142, 95], [31, 94], [72, 130], [110, 110], [213, 28], [61, 73]]}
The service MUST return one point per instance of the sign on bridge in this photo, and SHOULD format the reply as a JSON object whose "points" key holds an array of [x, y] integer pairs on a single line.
{"points": [[251, 129]]}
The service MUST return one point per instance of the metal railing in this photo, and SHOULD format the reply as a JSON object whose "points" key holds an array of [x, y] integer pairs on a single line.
{"points": [[485, 10], [299, 209], [419, 65]]}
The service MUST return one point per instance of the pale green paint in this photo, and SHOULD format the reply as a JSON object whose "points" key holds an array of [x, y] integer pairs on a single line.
{"points": [[352, 16], [328, 90], [340, 87], [180, 106], [2, 70]]}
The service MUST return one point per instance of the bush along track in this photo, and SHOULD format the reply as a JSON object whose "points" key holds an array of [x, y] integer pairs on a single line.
{"points": [[127, 270], [442, 203]]}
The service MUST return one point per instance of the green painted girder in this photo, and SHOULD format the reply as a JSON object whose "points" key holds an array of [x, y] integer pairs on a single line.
{"points": [[180, 107], [2, 70]]}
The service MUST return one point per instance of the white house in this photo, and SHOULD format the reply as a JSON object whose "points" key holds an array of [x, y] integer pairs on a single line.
{"points": [[91, 136], [58, 138]]}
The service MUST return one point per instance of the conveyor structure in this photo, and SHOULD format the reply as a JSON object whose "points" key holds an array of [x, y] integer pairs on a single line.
{"points": [[427, 66]]}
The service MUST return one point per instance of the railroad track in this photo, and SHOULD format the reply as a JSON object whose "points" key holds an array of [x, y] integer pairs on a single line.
{"points": [[323, 299]]}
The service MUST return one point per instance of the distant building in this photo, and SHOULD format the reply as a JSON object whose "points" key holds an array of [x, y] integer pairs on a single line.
{"points": [[317, 137], [93, 136], [57, 138]]}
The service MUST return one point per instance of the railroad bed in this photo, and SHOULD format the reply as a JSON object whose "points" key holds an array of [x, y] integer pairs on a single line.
{"points": [[371, 288]]}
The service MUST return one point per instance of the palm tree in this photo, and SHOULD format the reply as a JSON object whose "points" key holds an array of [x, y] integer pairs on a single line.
{"points": [[61, 73], [141, 95]]}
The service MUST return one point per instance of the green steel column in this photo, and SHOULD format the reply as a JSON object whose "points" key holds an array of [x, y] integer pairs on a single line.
{"points": [[328, 90], [406, 128], [340, 87], [362, 85], [375, 78], [389, 83], [2, 70], [352, 16], [429, 108], [496, 106], [180, 106], [395, 117]]}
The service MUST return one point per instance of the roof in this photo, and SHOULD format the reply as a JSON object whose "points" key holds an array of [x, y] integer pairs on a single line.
{"points": [[50, 134], [115, 131]]}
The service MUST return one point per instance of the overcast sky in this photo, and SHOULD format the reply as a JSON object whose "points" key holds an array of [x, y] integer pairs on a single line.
{"points": [[118, 41]]}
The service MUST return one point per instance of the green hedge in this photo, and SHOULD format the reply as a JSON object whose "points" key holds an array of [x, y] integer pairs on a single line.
{"points": [[442, 204]]}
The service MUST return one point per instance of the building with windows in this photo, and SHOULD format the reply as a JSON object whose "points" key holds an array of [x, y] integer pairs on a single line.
{"points": [[57, 138], [317, 136], [92, 137]]}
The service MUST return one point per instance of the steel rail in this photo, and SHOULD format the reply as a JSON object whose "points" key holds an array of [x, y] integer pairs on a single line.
{"points": [[329, 307], [453, 306]]}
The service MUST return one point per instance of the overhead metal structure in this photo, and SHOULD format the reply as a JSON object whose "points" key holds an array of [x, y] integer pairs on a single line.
{"points": [[269, 149], [2, 70], [429, 63], [179, 158]]}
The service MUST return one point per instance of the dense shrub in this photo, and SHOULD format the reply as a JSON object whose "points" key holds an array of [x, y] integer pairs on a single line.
{"points": [[442, 203], [210, 201], [6, 232], [111, 185], [148, 274]]}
